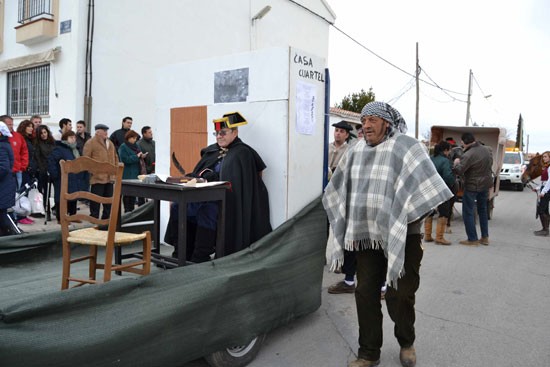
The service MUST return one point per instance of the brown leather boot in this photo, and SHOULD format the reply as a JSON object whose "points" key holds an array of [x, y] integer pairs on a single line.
{"points": [[544, 219], [440, 230], [428, 229], [407, 356]]}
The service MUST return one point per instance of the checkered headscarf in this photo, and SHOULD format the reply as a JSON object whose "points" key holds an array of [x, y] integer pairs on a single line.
{"points": [[388, 113]]}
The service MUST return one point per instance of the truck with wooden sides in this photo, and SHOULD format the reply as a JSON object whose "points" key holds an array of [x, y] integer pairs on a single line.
{"points": [[492, 137]]}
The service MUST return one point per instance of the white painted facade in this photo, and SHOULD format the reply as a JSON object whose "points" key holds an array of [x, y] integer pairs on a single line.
{"points": [[133, 38], [149, 56]]}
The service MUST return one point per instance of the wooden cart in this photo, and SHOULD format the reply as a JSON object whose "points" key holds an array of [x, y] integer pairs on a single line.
{"points": [[493, 137]]}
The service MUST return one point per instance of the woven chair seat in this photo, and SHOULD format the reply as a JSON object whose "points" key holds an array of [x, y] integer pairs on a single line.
{"points": [[92, 236]]}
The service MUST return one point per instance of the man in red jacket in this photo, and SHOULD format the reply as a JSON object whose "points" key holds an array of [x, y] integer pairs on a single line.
{"points": [[20, 151]]}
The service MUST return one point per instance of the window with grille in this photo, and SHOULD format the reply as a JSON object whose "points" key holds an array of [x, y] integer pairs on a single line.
{"points": [[29, 91], [29, 10]]}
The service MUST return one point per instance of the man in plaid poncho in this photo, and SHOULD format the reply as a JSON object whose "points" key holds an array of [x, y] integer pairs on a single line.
{"points": [[381, 190]]}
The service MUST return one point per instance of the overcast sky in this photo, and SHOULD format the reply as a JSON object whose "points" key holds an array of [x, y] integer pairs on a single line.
{"points": [[505, 44]]}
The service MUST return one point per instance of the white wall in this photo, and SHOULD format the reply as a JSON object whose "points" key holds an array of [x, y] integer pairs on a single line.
{"points": [[132, 41], [294, 161], [134, 38], [305, 155], [66, 72]]}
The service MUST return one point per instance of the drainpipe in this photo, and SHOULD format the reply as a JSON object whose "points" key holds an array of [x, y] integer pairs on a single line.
{"points": [[88, 71]]}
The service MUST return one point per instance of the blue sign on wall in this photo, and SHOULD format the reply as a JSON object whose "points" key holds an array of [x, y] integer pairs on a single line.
{"points": [[65, 26]]}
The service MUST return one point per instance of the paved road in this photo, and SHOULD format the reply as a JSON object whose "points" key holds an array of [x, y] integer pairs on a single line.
{"points": [[476, 307]]}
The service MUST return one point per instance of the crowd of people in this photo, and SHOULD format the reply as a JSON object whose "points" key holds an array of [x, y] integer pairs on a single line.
{"points": [[381, 200], [32, 161], [36, 151]]}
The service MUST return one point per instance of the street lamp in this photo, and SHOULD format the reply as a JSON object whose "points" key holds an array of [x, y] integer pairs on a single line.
{"points": [[261, 13]]}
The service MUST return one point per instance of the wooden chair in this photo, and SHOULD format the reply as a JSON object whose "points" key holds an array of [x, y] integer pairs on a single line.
{"points": [[93, 236]]}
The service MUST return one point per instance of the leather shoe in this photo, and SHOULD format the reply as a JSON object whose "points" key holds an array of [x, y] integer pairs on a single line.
{"points": [[407, 356], [469, 243], [360, 362], [341, 287], [484, 241]]}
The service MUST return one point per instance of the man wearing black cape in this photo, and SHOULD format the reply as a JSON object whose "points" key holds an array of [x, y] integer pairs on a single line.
{"points": [[247, 204]]}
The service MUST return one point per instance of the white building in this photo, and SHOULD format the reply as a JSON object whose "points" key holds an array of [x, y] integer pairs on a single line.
{"points": [[106, 59], [129, 40]]}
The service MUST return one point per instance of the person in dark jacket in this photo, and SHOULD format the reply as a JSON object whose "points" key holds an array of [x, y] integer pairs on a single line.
{"points": [[26, 129], [443, 166], [66, 150], [476, 168], [44, 144], [7, 181], [131, 155], [82, 136], [19, 148], [247, 203], [118, 136], [147, 145]]}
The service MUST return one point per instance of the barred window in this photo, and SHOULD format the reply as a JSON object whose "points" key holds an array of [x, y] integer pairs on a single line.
{"points": [[30, 10], [29, 91]]}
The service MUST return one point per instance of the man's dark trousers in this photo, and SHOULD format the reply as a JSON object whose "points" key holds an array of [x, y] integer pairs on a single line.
{"points": [[349, 268], [101, 190], [371, 272]]}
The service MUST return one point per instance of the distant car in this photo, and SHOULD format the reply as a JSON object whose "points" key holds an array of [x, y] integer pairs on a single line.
{"points": [[512, 169]]}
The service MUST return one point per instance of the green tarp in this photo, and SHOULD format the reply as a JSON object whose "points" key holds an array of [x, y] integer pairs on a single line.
{"points": [[174, 316], [30, 240]]}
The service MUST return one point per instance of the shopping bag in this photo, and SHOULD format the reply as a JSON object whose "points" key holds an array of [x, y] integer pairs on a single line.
{"points": [[22, 206], [37, 201]]}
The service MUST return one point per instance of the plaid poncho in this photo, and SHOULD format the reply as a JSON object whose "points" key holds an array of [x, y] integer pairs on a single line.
{"points": [[375, 192]]}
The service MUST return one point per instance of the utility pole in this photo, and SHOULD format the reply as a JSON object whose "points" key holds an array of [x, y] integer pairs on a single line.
{"points": [[469, 98], [417, 94]]}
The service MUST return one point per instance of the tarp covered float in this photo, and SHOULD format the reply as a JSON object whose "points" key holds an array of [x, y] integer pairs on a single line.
{"points": [[172, 317]]}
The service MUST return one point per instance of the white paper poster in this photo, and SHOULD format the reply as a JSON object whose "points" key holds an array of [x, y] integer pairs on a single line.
{"points": [[306, 95]]}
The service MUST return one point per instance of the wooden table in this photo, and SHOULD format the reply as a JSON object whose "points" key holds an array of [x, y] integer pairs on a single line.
{"points": [[182, 195]]}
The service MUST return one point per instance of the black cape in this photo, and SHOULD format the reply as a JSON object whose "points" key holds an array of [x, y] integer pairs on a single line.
{"points": [[247, 202]]}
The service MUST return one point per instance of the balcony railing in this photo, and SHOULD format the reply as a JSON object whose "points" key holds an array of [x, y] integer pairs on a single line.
{"points": [[30, 10]]}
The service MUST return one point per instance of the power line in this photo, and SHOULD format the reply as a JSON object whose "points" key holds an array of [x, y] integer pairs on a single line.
{"points": [[481, 90], [433, 83], [407, 87], [443, 89], [435, 99]]}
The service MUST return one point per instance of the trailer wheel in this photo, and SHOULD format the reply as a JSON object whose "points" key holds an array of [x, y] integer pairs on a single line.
{"points": [[236, 356]]}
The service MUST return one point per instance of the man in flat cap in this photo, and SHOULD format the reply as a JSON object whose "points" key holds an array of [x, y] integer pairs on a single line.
{"points": [[101, 149], [338, 147], [378, 195]]}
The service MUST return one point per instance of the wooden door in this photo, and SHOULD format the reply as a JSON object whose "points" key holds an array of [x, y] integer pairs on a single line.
{"points": [[188, 127]]}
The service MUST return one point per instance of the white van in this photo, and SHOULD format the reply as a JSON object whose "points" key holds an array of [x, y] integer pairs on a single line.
{"points": [[512, 169]]}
